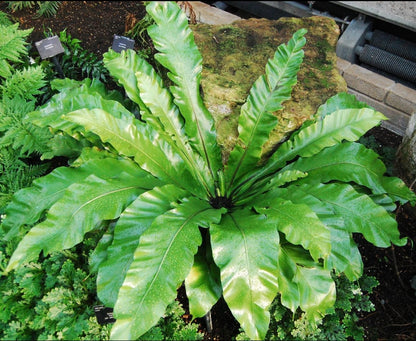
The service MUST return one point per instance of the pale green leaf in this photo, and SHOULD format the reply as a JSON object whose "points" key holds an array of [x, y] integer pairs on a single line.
{"points": [[29, 204], [133, 139], [360, 213], [161, 262], [83, 205], [257, 118], [344, 124], [203, 284], [315, 286], [245, 248], [83, 95], [123, 67], [134, 220], [167, 120], [299, 223], [178, 52], [344, 255], [347, 162], [339, 101]]}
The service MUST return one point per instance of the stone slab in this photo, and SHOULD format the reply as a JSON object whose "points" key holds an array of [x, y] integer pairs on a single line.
{"points": [[402, 98], [398, 120], [211, 15], [367, 82]]}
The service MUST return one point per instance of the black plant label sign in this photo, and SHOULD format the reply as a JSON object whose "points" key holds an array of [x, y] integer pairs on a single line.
{"points": [[49, 47], [121, 43], [104, 315]]}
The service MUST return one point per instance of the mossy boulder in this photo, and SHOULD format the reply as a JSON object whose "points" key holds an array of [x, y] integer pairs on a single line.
{"points": [[235, 55]]}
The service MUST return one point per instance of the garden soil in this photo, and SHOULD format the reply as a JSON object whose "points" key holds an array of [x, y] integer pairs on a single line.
{"points": [[96, 22]]}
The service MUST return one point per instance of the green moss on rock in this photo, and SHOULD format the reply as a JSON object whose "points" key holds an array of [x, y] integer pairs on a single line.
{"points": [[235, 55]]}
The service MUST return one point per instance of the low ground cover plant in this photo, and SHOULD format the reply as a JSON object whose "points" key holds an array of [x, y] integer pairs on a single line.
{"points": [[243, 229]]}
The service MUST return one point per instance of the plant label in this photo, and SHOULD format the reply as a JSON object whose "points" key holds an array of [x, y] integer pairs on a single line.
{"points": [[49, 47], [121, 43], [104, 315]]}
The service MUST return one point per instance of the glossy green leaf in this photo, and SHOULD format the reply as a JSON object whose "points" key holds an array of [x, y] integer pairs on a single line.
{"points": [[161, 262], [83, 205], [203, 283], [306, 284], [299, 223], [257, 120], [398, 190], [170, 123], [29, 204], [360, 213], [346, 162], [79, 97], [340, 101], [344, 255], [99, 255], [345, 124], [134, 220], [245, 248], [123, 67], [316, 287], [184, 62], [130, 138]]}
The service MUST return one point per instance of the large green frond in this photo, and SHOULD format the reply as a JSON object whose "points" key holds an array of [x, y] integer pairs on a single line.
{"points": [[347, 162], [339, 101], [123, 67], [161, 262], [344, 124], [178, 52], [30, 203], [257, 118], [359, 212], [304, 283], [135, 139], [169, 122], [344, 254], [75, 96], [299, 223], [134, 220], [203, 283], [83, 205], [245, 248]]}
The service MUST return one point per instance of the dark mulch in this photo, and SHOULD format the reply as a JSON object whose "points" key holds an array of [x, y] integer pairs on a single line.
{"points": [[96, 22]]}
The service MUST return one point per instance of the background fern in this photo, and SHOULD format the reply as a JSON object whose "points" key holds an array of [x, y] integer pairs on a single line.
{"points": [[45, 8], [12, 47], [4, 19]]}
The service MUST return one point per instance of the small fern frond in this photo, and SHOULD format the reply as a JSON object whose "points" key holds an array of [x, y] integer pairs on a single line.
{"points": [[47, 8], [4, 19], [15, 174], [25, 83], [12, 46], [19, 5], [17, 133]]}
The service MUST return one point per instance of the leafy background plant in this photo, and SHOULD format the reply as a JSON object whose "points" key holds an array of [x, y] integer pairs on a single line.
{"points": [[20, 85], [219, 201], [44, 8]]}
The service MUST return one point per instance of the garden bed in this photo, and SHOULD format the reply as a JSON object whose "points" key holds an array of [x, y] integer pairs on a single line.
{"points": [[96, 22]]}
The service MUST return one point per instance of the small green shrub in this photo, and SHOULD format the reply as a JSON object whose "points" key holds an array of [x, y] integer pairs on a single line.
{"points": [[54, 298]]}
